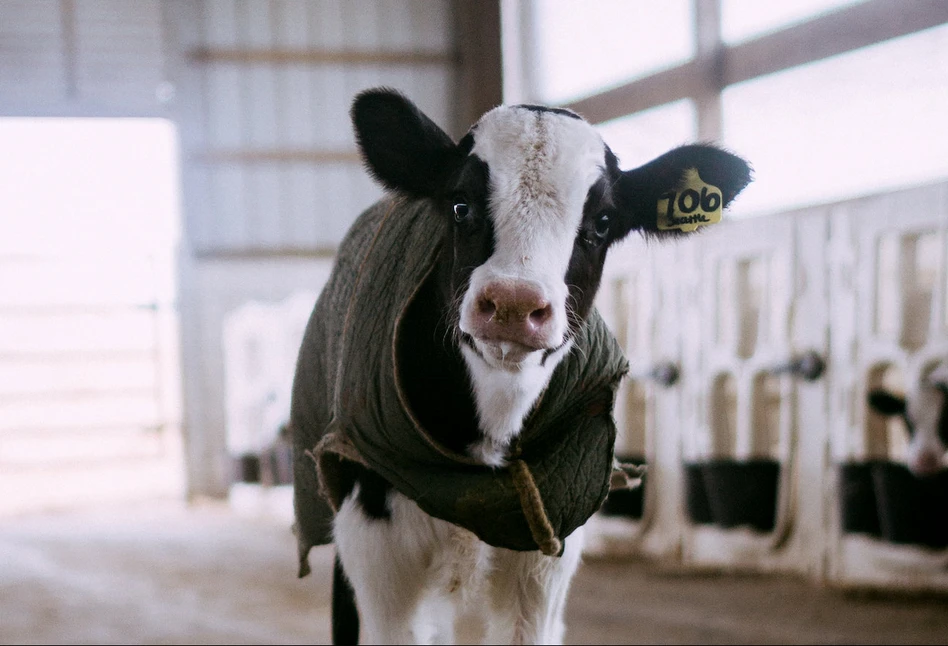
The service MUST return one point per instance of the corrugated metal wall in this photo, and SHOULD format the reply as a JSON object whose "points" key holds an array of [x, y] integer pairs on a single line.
{"points": [[82, 58], [272, 178], [259, 91], [271, 153]]}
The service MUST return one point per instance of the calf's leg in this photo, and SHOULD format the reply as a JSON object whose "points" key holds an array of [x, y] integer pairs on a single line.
{"points": [[389, 564], [528, 594]]}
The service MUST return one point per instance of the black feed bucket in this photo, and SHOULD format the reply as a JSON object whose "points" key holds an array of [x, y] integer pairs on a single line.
{"points": [[911, 509], [696, 496], [743, 492], [247, 468], [857, 499], [628, 503]]}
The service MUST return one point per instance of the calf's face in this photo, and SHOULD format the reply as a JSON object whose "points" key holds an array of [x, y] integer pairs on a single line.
{"points": [[534, 198], [925, 414]]}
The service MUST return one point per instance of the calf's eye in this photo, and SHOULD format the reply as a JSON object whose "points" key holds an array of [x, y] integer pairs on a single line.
{"points": [[461, 211], [602, 225]]}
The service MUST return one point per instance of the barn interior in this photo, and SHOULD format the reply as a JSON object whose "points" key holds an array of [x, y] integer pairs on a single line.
{"points": [[177, 175]]}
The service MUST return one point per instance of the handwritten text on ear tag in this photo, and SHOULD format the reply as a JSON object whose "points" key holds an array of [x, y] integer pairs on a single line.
{"points": [[692, 204]]}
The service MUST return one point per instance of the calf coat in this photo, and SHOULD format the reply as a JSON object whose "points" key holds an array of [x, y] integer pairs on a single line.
{"points": [[564, 459], [452, 407]]}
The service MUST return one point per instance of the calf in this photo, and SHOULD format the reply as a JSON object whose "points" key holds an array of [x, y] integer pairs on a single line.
{"points": [[925, 413], [452, 407]]}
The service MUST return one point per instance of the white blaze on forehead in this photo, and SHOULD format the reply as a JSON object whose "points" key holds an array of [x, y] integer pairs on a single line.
{"points": [[541, 166]]}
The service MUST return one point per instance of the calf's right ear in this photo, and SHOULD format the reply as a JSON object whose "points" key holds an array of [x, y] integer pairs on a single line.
{"points": [[885, 403], [400, 146], [680, 190]]}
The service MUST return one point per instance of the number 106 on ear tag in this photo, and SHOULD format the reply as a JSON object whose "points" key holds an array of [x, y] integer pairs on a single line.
{"points": [[694, 203]]}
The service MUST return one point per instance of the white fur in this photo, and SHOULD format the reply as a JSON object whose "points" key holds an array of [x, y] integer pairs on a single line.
{"points": [[504, 397], [414, 574], [541, 165]]}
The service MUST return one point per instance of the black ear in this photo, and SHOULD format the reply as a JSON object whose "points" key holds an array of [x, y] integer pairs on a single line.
{"points": [[646, 192], [401, 147], [885, 403]]}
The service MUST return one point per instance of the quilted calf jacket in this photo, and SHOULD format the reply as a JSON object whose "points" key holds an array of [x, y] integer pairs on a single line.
{"points": [[349, 406]]}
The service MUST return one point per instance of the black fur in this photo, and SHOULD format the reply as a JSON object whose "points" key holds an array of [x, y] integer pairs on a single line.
{"points": [[638, 190], [543, 108], [402, 148], [345, 616], [943, 415], [886, 403], [374, 490], [433, 374], [584, 272], [889, 405]]}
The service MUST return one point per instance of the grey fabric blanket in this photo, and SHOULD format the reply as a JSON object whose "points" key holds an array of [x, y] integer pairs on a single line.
{"points": [[349, 406]]}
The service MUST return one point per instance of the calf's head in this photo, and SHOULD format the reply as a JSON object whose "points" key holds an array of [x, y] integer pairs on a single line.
{"points": [[925, 414], [535, 199]]}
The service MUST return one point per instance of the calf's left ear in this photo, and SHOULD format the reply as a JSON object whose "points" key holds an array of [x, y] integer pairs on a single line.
{"points": [[401, 147], [680, 190]]}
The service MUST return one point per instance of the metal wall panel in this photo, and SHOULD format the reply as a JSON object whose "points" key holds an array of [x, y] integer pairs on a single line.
{"points": [[277, 80], [32, 52], [271, 176], [82, 57]]}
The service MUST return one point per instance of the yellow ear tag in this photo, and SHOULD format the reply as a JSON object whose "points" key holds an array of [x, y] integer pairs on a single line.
{"points": [[692, 204]]}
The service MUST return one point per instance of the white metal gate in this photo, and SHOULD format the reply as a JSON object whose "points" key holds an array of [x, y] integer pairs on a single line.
{"points": [[89, 377], [889, 326], [88, 404], [780, 325]]}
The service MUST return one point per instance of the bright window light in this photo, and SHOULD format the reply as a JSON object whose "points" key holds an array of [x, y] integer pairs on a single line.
{"points": [[583, 48], [639, 138], [865, 122]]}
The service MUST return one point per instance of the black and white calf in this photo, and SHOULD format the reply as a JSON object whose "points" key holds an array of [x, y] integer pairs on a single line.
{"points": [[925, 413], [531, 200]]}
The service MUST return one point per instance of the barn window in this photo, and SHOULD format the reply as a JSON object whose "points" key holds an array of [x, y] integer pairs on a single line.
{"points": [[576, 53], [639, 137], [852, 142], [830, 98]]}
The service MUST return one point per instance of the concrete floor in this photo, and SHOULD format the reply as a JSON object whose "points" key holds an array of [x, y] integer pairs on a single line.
{"points": [[161, 573]]}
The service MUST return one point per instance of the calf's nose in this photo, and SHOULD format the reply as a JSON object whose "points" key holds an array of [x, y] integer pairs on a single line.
{"points": [[512, 311], [925, 463]]}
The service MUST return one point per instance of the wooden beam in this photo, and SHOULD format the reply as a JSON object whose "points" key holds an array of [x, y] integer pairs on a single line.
{"points": [[266, 253], [662, 87], [832, 34], [480, 84], [835, 33], [321, 57], [279, 156]]}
